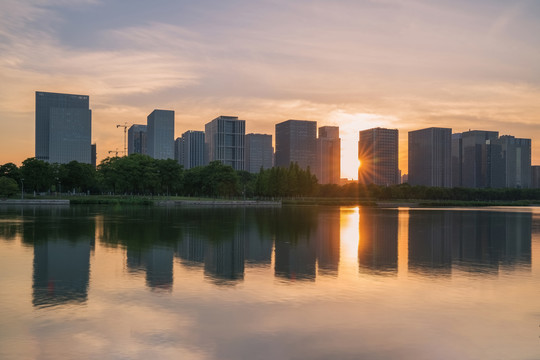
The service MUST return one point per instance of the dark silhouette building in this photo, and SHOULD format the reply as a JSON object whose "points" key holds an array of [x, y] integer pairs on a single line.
{"points": [[296, 143], [378, 156]]}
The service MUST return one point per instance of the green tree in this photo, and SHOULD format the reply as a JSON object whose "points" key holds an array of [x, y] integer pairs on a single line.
{"points": [[8, 187], [37, 175], [11, 170]]}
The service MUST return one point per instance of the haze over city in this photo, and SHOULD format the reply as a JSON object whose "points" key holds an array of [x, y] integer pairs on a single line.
{"points": [[354, 64]]}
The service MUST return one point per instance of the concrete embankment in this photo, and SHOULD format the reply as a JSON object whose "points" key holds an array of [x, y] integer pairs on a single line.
{"points": [[247, 203], [47, 202]]}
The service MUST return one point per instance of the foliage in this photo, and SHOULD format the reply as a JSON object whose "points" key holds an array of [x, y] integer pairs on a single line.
{"points": [[286, 182], [8, 187], [37, 175]]}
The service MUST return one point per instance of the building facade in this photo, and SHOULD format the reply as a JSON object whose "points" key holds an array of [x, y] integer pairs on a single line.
{"points": [[160, 134], [259, 152], [516, 161], [378, 156], [474, 157], [192, 150], [535, 177], [224, 141], [137, 139], [296, 141], [63, 128], [328, 169], [430, 157]]}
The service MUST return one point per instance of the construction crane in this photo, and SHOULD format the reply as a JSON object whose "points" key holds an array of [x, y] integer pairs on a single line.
{"points": [[115, 152], [125, 126]]}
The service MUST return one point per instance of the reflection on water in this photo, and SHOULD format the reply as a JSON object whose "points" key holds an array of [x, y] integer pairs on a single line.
{"points": [[215, 283], [300, 243], [472, 240], [378, 243]]}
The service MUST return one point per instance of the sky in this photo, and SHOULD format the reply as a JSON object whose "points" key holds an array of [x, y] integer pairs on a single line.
{"points": [[357, 64]]}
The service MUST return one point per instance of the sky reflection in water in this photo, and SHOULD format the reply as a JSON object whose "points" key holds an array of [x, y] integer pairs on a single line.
{"points": [[298, 282]]}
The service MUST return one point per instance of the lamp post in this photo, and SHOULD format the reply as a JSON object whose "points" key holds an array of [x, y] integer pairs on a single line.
{"points": [[22, 188]]}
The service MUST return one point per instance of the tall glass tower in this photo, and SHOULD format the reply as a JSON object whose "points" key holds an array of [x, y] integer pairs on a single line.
{"points": [[63, 128]]}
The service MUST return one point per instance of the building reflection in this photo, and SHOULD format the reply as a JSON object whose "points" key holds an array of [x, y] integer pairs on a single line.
{"points": [[378, 242], [156, 262], [430, 242], [295, 243], [472, 241], [61, 255], [328, 242]]}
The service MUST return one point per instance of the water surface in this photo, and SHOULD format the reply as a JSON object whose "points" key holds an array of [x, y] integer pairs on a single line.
{"points": [[290, 283]]}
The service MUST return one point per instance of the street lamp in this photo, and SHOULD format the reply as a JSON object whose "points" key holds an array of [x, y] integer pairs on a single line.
{"points": [[22, 188]]}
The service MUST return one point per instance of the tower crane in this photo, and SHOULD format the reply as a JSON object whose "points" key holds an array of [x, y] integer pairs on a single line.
{"points": [[125, 126]]}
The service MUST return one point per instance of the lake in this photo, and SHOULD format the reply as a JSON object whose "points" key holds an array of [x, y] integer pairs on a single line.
{"points": [[91, 282]]}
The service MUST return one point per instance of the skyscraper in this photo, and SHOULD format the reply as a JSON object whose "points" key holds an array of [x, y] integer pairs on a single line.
{"points": [[296, 142], [430, 158], [259, 152], [192, 149], [160, 134], [457, 160], [535, 177], [328, 169], [516, 161], [224, 141], [63, 128], [474, 154], [378, 156], [137, 139]]}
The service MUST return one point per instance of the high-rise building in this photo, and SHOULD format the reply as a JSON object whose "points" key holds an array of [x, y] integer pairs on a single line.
{"points": [[94, 155], [192, 151], [474, 170], [63, 128], [160, 134], [378, 156], [457, 160], [430, 158], [535, 177], [137, 139], [296, 142], [259, 152], [179, 151], [515, 155], [328, 169], [224, 141]]}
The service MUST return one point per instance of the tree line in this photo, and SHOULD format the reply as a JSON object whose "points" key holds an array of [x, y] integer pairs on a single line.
{"points": [[138, 174]]}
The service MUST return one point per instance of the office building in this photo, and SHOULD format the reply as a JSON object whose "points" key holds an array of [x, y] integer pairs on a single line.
{"points": [[259, 152], [192, 151], [515, 157], [457, 160], [474, 170], [535, 177], [63, 128], [328, 169], [224, 141], [296, 143], [137, 139], [430, 157], [179, 151], [160, 134], [378, 156], [93, 160]]}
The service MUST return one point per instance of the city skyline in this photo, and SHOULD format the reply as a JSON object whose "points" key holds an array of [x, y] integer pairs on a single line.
{"points": [[354, 65]]}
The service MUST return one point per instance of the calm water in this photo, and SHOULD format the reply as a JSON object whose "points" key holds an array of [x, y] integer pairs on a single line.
{"points": [[291, 283]]}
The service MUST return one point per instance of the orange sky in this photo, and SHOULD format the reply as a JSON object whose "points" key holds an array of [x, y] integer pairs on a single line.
{"points": [[355, 64]]}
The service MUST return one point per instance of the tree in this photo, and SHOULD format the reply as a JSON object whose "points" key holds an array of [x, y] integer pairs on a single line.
{"points": [[8, 187], [37, 175], [11, 170]]}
